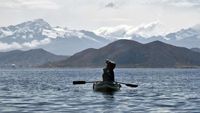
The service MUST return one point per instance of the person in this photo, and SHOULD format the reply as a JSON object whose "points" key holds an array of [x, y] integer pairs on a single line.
{"points": [[108, 71]]}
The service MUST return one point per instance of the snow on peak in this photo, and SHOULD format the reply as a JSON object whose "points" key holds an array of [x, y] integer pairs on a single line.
{"points": [[5, 33], [36, 22], [126, 31], [117, 31], [197, 28], [188, 33], [26, 28], [59, 32]]}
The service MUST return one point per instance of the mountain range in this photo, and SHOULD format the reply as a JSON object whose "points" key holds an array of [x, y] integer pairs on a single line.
{"points": [[64, 41], [129, 53], [39, 34], [26, 59]]}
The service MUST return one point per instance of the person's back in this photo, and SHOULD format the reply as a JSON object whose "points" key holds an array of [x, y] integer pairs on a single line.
{"points": [[108, 73]]}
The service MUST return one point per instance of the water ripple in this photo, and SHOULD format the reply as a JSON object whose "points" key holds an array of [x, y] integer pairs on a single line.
{"points": [[52, 91]]}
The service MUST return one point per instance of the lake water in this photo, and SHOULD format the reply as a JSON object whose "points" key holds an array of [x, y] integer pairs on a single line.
{"points": [[52, 91]]}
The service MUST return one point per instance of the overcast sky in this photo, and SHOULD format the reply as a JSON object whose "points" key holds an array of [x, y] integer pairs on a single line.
{"points": [[92, 14]]}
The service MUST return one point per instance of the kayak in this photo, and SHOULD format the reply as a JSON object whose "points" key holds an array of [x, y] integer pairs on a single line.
{"points": [[106, 86]]}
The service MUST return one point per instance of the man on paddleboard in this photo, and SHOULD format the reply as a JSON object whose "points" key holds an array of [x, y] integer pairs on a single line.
{"points": [[108, 73]]}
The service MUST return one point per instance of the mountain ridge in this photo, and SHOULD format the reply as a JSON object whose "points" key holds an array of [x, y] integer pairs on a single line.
{"points": [[64, 41], [39, 34], [156, 54], [27, 59]]}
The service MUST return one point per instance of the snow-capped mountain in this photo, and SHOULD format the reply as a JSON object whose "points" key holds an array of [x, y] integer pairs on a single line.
{"points": [[24, 32], [128, 31], [39, 34], [189, 37], [64, 41]]}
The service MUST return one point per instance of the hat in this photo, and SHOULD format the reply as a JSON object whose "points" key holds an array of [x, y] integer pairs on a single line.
{"points": [[109, 61]]}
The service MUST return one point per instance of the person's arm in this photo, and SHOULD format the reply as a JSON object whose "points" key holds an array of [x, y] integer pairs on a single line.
{"points": [[104, 75], [112, 76]]}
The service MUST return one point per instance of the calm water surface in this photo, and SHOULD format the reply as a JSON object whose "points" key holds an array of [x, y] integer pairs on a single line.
{"points": [[52, 91]]}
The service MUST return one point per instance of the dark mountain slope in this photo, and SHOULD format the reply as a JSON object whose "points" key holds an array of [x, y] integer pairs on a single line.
{"points": [[128, 53], [29, 58]]}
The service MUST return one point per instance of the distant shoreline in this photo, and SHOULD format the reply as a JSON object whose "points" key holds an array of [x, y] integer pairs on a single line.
{"points": [[102, 68]]}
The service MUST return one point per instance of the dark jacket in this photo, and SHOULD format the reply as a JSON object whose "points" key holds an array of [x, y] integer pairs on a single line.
{"points": [[108, 75]]}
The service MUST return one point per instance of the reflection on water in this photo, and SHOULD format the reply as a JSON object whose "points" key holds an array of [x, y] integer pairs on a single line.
{"points": [[108, 95], [52, 91]]}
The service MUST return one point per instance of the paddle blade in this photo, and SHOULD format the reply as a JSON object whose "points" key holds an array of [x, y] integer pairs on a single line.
{"points": [[79, 82], [131, 85]]}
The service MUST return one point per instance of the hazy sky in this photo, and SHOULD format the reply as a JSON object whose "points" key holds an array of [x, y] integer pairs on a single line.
{"points": [[92, 14]]}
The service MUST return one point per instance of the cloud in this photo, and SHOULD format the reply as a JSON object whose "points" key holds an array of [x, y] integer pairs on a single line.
{"points": [[25, 45], [6, 46], [126, 31], [110, 5], [117, 31], [185, 3], [36, 43], [174, 3], [146, 30], [29, 4]]}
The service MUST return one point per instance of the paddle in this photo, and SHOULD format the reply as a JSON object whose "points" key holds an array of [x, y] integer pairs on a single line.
{"points": [[130, 85], [84, 82]]}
